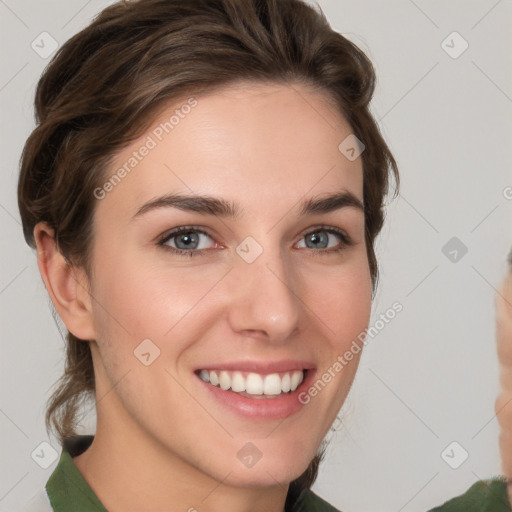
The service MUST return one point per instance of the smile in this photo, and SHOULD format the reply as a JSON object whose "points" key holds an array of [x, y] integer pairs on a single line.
{"points": [[259, 390], [254, 385]]}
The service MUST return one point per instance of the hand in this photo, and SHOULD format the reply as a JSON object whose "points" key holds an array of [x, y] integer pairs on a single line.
{"points": [[503, 404]]}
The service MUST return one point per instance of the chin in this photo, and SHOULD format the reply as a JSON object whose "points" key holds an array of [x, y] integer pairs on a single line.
{"points": [[275, 470]]}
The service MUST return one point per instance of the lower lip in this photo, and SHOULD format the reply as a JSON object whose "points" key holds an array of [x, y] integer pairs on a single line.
{"points": [[277, 407]]}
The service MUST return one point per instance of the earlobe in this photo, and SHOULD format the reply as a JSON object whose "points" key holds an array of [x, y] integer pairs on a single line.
{"points": [[67, 285]]}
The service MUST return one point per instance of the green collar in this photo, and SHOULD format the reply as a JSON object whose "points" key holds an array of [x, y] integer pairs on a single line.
{"points": [[66, 487]]}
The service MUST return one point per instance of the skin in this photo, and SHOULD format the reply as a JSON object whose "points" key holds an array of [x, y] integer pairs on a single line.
{"points": [[267, 147], [503, 405]]}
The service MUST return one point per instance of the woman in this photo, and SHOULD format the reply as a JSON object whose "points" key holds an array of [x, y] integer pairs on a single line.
{"points": [[503, 403], [204, 188], [496, 494]]}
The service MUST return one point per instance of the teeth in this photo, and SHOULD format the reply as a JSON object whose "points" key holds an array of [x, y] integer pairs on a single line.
{"points": [[296, 379], [224, 380], [214, 379], [237, 382], [254, 383], [286, 383], [272, 384]]}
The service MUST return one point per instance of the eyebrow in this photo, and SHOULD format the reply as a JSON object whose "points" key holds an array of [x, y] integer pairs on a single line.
{"points": [[209, 205]]}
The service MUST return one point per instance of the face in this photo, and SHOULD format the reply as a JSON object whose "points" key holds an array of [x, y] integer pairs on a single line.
{"points": [[256, 283], [503, 302]]}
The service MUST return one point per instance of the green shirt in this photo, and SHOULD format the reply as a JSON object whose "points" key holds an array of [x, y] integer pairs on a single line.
{"points": [[68, 491], [482, 496]]}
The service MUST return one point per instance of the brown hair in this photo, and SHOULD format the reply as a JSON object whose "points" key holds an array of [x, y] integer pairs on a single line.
{"points": [[102, 87]]}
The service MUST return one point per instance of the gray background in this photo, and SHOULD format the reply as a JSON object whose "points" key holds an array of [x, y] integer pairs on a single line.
{"points": [[430, 377]]}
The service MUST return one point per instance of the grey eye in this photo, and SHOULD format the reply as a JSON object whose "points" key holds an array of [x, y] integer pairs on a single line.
{"points": [[317, 240], [188, 239]]}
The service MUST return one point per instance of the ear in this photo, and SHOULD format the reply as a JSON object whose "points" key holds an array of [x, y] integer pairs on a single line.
{"points": [[67, 285]]}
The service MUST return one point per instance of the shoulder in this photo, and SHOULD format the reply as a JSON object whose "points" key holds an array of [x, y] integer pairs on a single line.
{"points": [[311, 502], [483, 496]]}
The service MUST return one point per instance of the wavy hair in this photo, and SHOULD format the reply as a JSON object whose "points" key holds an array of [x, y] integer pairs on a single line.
{"points": [[104, 86]]}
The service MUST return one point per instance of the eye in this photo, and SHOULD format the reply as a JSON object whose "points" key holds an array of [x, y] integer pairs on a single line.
{"points": [[322, 238], [185, 241]]}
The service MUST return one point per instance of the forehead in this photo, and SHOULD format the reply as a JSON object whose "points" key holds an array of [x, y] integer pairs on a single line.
{"points": [[252, 143]]}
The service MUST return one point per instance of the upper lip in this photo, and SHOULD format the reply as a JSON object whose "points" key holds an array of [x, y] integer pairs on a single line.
{"points": [[263, 367]]}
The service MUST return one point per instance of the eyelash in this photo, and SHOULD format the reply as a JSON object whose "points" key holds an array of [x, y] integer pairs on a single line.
{"points": [[346, 241]]}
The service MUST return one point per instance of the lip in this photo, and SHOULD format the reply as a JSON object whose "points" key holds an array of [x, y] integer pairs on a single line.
{"points": [[279, 407], [261, 367]]}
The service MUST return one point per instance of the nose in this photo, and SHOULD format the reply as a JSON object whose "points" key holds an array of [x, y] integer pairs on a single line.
{"points": [[265, 302]]}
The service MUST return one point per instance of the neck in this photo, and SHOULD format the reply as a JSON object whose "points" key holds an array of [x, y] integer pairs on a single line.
{"points": [[123, 456]]}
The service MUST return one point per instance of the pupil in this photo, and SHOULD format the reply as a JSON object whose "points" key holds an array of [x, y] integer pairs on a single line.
{"points": [[189, 239], [316, 239]]}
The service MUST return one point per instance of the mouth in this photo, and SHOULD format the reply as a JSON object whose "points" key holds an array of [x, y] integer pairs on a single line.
{"points": [[254, 395], [254, 385]]}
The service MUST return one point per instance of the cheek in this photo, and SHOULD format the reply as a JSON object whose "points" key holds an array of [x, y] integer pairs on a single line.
{"points": [[340, 297], [138, 299], [340, 300]]}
